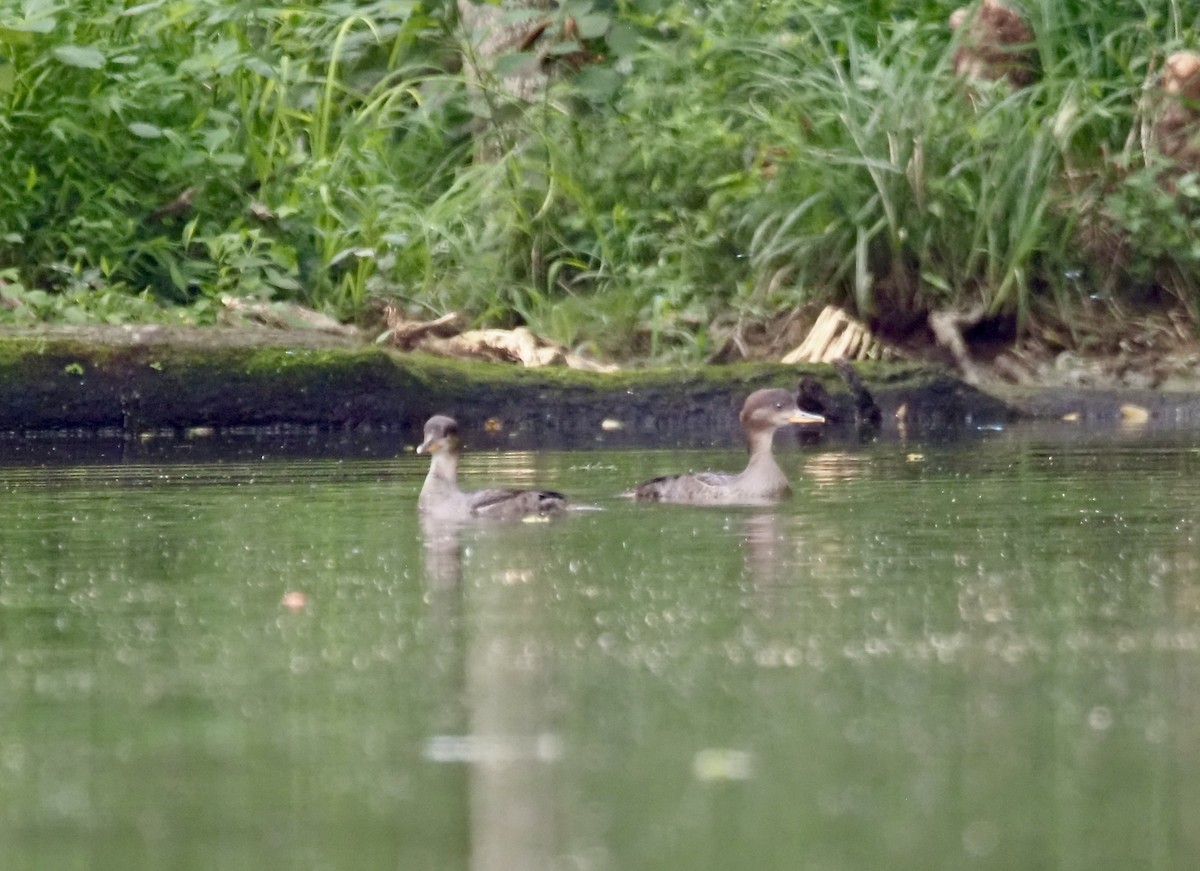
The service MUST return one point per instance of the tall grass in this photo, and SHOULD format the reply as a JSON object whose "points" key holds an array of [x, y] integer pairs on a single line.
{"points": [[283, 122], [793, 154], [722, 160]]}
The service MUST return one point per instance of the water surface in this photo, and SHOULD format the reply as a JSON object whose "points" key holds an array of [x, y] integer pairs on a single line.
{"points": [[983, 654]]}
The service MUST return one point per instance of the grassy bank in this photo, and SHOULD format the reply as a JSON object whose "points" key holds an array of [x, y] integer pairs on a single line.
{"points": [[166, 380], [711, 163]]}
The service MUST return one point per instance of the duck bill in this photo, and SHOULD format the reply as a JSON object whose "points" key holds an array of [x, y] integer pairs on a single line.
{"points": [[806, 418], [429, 446]]}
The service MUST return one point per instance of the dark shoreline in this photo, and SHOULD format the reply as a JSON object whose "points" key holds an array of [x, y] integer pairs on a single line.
{"points": [[150, 380]]}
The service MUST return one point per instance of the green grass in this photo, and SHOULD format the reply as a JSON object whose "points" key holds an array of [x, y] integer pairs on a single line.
{"points": [[722, 161]]}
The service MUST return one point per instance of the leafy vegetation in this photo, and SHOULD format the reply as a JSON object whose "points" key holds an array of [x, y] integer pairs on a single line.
{"points": [[695, 163]]}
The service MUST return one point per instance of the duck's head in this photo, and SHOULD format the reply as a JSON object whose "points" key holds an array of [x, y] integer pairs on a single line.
{"points": [[772, 408], [441, 435]]}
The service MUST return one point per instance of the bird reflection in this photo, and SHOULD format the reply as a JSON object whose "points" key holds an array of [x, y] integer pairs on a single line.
{"points": [[765, 548], [441, 544], [504, 731]]}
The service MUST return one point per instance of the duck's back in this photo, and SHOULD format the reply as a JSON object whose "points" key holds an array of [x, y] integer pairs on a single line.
{"points": [[700, 488], [508, 504]]}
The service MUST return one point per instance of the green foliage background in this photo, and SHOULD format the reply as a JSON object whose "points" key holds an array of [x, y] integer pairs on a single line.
{"points": [[716, 160]]}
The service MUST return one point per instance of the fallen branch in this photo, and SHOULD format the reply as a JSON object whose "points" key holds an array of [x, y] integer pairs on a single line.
{"points": [[947, 326]]}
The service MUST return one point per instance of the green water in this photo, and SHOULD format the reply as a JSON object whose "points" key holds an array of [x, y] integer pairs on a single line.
{"points": [[979, 655]]}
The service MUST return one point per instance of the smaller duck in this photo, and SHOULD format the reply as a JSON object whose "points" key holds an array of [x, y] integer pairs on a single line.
{"points": [[762, 482], [441, 499]]}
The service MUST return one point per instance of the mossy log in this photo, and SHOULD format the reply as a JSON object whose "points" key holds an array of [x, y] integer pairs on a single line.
{"points": [[148, 379]]}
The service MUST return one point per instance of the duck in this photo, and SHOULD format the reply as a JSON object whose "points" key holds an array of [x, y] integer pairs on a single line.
{"points": [[762, 481], [442, 499]]}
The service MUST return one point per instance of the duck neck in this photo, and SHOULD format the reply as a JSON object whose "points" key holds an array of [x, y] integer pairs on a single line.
{"points": [[443, 474], [761, 443], [762, 472]]}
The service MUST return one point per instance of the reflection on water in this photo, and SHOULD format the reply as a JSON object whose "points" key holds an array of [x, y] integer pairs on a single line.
{"points": [[441, 545], [511, 745], [984, 655], [765, 544]]}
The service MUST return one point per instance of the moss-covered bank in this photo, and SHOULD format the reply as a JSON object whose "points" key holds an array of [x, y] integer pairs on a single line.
{"points": [[142, 379]]}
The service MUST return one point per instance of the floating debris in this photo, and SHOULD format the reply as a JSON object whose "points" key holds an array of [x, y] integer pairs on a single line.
{"points": [[294, 600], [545, 747], [720, 763], [1134, 414]]}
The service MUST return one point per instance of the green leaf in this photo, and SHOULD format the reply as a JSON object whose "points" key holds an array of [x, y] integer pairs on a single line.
{"points": [[622, 40], [577, 8], [936, 281], [516, 63], [140, 8], [598, 83], [177, 277], [21, 32], [593, 26], [82, 56], [145, 131]]}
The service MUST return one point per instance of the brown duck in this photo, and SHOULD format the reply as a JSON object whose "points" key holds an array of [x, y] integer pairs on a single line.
{"points": [[762, 481], [440, 497]]}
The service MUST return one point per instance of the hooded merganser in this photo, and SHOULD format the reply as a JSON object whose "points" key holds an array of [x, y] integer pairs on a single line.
{"points": [[441, 498], [762, 481]]}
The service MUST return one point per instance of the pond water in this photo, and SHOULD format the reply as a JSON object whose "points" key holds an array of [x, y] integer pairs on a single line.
{"points": [[983, 654]]}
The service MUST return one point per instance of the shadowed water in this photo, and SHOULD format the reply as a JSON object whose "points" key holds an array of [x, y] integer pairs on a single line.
{"points": [[983, 654]]}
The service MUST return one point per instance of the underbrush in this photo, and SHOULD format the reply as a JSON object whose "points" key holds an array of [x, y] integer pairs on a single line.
{"points": [[710, 162]]}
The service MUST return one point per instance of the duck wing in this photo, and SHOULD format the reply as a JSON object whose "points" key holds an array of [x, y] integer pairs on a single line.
{"points": [[505, 503]]}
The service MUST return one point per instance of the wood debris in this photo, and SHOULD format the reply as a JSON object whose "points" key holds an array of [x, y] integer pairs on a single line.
{"points": [[948, 327], [405, 334], [835, 336], [444, 337], [282, 316]]}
